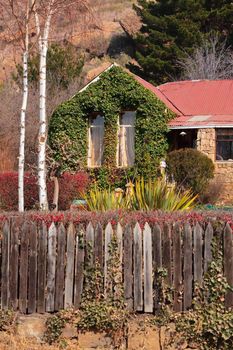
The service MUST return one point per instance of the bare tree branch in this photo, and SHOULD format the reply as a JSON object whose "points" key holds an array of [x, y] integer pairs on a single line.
{"points": [[212, 60]]}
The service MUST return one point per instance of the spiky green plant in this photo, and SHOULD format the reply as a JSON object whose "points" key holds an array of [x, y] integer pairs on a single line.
{"points": [[156, 194], [152, 194], [103, 199]]}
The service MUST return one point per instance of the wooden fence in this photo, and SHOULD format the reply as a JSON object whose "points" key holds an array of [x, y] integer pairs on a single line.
{"points": [[42, 268]]}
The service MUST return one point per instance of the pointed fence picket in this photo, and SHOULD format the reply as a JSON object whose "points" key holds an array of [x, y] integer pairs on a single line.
{"points": [[51, 268], [43, 267], [69, 275], [138, 291]]}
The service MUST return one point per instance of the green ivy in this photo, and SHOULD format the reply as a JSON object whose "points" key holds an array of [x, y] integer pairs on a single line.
{"points": [[115, 91]]}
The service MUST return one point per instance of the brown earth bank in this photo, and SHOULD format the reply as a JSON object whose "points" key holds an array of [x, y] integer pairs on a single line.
{"points": [[142, 335], [96, 34]]}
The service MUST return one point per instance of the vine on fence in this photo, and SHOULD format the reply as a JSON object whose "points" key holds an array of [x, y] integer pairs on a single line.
{"points": [[208, 325], [100, 310]]}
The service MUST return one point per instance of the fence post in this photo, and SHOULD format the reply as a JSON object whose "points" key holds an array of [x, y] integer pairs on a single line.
{"points": [[138, 301], [228, 262], [128, 267], [69, 279], [52, 238], [197, 252], [208, 247], [177, 261], [60, 269], [187, 266], [148, 271]]}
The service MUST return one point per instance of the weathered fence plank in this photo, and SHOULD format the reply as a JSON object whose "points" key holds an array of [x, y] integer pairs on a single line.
{"points": [[14, 261], [5, 265], [207, 246], [228, 263], [187, 266], [148, 275], [119, 236], [167, 253], [79, 266], [138, 292], [32, 285], [197, 253], [177, 261], [51, 264], [98, 249], [60, 268], [23, 269], [43, 271], [90, 244], [128, 268], [69, 279], [42, 261], [157, 259], [107, 242]]}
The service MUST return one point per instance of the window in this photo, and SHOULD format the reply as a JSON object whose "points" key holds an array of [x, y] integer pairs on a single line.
{"points": [[125, 151], [96, 141], [224, 147]]}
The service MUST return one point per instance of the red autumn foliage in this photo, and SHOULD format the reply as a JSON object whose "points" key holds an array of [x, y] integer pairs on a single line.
{"points": [[218, 219], [71, 186]]}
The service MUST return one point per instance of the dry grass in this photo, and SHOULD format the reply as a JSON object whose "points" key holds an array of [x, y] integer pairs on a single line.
{"points": [[9, 341]]}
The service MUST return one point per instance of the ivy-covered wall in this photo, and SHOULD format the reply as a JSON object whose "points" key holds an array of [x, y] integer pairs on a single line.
{"points": [[115, 91]]}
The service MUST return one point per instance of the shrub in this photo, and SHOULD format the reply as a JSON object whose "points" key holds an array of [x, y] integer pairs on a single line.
{"points": [[212, 193], [71, 187], [190, 169]]}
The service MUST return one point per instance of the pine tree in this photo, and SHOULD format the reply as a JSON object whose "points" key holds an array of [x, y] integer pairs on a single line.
{"points": [[171, 28]]}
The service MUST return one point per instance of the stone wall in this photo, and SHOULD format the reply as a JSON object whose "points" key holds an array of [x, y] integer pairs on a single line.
{"points": [[206, 143]]}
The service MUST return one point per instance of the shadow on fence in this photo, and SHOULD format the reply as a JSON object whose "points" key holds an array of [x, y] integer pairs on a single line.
{"points": [[42, 268]]}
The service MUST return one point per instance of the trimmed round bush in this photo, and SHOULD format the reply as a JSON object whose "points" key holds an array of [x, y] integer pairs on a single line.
{"points": [[190, 169]]}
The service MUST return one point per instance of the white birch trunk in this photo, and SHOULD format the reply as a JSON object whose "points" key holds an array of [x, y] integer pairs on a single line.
{"points": [[23, 119], [43, 202], [43, 48]]}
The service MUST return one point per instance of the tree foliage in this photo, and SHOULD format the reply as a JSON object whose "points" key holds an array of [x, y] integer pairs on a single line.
{"points": [[64, 64], [171, 27]]}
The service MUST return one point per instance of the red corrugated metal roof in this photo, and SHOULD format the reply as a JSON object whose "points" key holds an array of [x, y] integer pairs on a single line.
{"points": [[158, 93], [201, 97], [197, 103]]}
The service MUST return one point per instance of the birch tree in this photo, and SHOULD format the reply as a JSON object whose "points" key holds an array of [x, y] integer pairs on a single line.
{"points": [[16, 16], [46, 12]]}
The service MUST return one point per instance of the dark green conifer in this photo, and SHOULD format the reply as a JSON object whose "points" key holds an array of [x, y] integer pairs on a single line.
{"points": [[172, 27]]}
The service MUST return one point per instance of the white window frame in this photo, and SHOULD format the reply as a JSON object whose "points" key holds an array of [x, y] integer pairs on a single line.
{"points": [[89, 156], [118, 143]]}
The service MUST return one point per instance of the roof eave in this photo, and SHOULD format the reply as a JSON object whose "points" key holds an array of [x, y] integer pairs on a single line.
{"points": [[212, 126]]}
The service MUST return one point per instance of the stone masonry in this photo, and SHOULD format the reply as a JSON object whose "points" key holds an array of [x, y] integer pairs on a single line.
{"points": [[206, 143]]}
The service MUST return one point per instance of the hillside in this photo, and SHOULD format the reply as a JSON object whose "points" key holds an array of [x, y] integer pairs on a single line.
{"points": [[97, 35]]}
